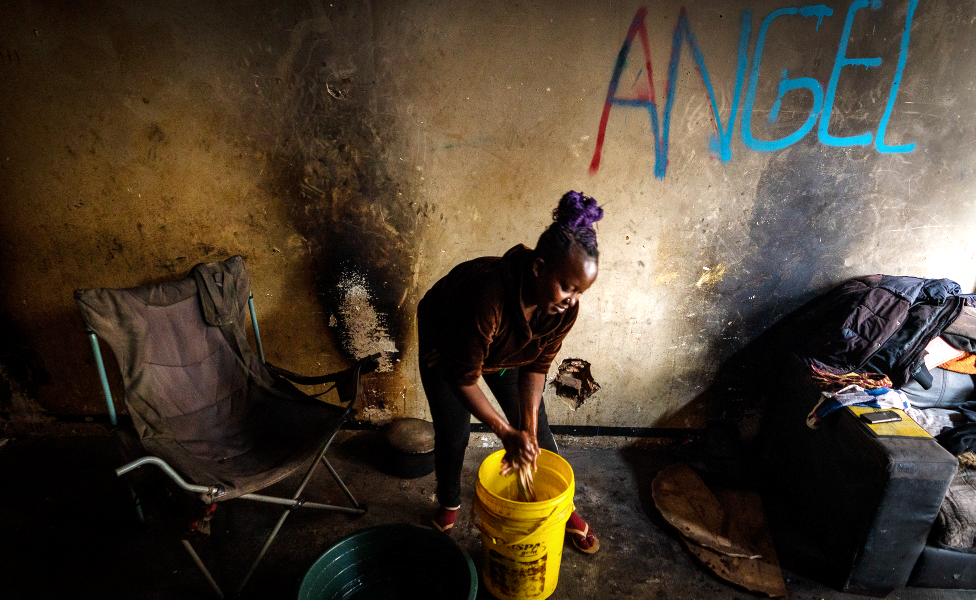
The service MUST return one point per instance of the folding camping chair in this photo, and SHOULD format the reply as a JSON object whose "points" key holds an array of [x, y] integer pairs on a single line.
{"points": [[204, 406]]}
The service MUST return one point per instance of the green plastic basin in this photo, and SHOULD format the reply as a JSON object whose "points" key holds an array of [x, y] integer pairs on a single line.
{"points": [[390, 562]]}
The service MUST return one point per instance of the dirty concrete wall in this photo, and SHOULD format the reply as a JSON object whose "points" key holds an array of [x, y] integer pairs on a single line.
{"points": [[749, 155], [142, 138]]}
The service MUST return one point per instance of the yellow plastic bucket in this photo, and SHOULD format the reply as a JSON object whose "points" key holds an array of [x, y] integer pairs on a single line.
{"points": [[522, 542]]}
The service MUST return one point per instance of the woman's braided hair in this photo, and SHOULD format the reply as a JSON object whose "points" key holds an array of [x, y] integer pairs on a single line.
{"points": [[572, 225]]}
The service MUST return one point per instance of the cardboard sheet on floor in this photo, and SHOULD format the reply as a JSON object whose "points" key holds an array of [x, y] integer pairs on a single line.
{"points": [[762, 575], [739, 521], [690, 507]]}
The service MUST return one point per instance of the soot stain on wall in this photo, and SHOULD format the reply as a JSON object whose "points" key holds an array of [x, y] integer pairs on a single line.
{"points": [[804, 222], [360, 235], [355, 218]]}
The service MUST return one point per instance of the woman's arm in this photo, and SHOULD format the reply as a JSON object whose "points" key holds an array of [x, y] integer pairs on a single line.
{"points": [[519, 444], [530, 386]]}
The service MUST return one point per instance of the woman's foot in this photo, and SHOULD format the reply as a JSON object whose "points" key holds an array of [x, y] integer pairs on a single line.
{"points": [[444, 518], [579, 532]]}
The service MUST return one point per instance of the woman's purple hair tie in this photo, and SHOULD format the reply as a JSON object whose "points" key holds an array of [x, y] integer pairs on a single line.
{"points": [[572, 226], [577, 210]]}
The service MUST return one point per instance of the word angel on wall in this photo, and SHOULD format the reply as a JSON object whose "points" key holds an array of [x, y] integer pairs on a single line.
{"points": [[823, 101]]}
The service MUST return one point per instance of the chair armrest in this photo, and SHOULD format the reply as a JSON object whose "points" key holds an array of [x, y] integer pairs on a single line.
{"points": [[348, 382], [865, 503]]}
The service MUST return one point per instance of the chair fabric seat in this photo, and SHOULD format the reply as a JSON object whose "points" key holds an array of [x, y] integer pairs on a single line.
{"points": [[291, 433], [199, 398]]}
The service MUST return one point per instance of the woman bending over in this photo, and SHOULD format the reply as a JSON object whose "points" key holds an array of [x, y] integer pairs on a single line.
{"points": [[504, 319]]}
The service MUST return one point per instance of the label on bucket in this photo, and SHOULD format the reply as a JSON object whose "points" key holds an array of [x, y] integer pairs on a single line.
{"points": [[518, 578]]}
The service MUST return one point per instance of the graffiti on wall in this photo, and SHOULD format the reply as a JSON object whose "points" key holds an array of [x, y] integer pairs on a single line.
{"points": [[823, 100]]}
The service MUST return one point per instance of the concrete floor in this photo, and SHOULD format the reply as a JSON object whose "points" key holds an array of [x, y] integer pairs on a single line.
{"points": [[67, 531]]}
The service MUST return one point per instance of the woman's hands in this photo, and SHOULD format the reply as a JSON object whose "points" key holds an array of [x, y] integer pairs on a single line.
{"points": [[521, 447]]}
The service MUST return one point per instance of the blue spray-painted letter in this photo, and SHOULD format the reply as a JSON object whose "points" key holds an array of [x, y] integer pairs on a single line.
{"points": [[839, 63], [820, 11], [902, 58]]}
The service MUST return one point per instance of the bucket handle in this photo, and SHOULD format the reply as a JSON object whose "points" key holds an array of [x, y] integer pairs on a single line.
{"points": [[475, 518]]}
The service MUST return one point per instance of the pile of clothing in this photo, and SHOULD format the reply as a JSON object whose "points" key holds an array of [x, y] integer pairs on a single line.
{"points": [[902, 342]]}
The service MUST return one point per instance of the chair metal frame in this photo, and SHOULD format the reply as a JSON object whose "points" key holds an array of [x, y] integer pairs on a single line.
{"points": [[212, 493]]}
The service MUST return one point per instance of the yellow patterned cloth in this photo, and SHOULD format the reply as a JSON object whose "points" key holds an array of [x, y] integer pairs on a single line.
{"points": [[868, 381]]}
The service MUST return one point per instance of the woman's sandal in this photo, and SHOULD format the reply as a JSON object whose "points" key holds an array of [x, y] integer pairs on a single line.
{"points": [[443, 520], [583, 540]]}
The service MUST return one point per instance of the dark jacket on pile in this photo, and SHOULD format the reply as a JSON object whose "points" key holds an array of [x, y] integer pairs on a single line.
{"points": [[879, 323]]}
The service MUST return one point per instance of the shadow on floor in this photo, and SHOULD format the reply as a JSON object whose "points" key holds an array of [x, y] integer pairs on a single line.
{"points": [[68, 529]]}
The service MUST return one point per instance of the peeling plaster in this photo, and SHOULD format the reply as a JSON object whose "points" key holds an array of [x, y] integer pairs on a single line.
{"points": [[364, 330], [574, 383]]}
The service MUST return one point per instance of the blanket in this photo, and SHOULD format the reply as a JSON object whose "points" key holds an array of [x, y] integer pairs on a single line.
{"points": [[955, 527]]}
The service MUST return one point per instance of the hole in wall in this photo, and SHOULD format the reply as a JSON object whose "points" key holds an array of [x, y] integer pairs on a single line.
{"points": [[574, 382]]}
